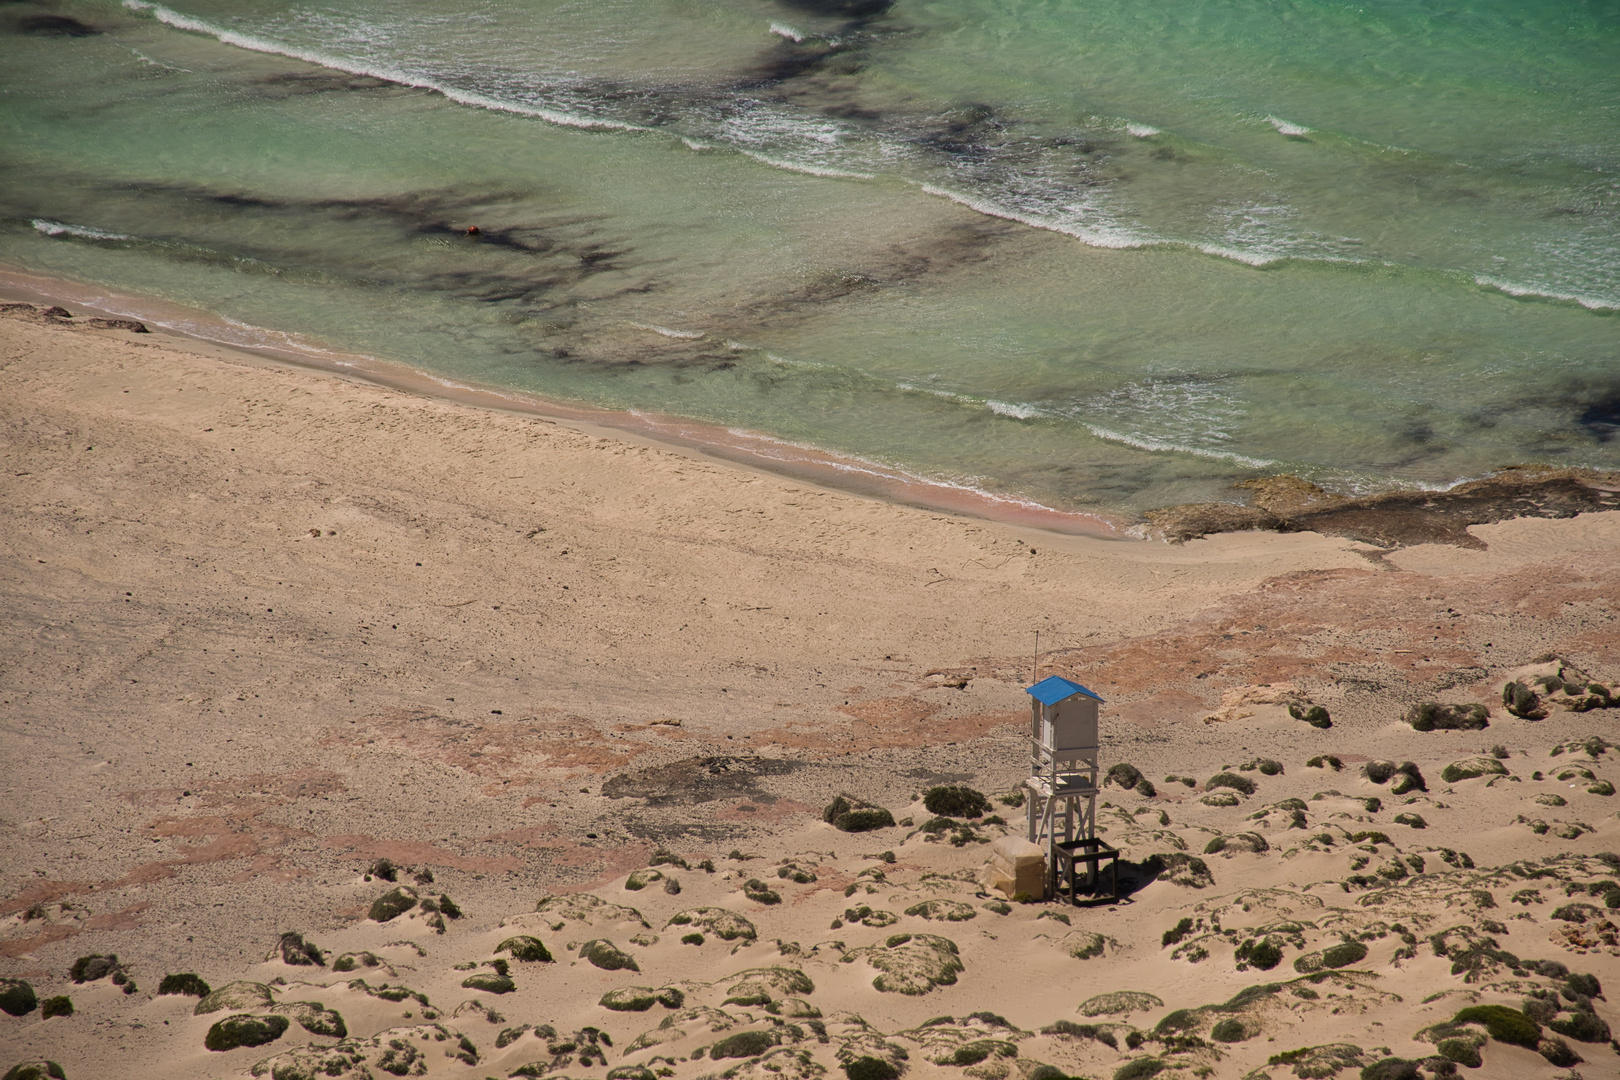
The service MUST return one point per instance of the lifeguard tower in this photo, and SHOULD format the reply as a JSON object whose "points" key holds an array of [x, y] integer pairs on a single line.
{"points": [[1062, 786]]}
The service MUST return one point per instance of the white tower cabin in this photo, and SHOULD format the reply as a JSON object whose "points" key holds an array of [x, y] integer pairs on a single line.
{"points": [[1064, 747]]}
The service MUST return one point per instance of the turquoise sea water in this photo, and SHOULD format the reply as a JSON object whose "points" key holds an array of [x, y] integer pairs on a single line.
{"points": [[1099, 255]]}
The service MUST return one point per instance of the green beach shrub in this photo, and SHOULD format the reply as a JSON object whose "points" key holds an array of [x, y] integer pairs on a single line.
{"points": [[871, 1068], [17, 997], [1470, 768], [185, 983], [526, 948], [1314, 715], [955, 800], [1502, 1024], [1231, 780], [1433, 716], [245, 1030], [1233, 1030]]}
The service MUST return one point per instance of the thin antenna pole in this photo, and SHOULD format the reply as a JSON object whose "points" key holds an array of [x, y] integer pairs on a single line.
{"points": [[1035, 668]]}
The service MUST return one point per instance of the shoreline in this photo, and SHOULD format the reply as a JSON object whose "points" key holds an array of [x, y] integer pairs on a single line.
{"points": [[1278, 503], [736, 446]]}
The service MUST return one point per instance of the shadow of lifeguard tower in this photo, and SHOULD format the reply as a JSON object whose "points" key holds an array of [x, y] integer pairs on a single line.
{"points": [[1064, 776]]}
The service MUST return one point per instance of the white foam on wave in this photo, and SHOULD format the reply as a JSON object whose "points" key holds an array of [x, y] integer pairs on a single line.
{"points": [[688, 335], [1014, 410], [263, 337], [253, 43], [1142, 442], [1259, 259], [948, 395], [1591, 303], [1288, 128], [85, 232], [1011, 410], [1142, 131], [1102, 238], [781, 29], [157, 63], [801, 167]]}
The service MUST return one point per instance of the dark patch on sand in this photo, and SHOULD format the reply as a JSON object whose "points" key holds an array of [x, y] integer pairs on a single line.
{"points": [[1399, 518], [697, 780]]}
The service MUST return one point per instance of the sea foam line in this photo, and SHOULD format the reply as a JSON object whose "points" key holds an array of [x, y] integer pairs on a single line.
{"points": [[1160, 446], [61, 228], [1591, 303], [781, 29], [254, 43], [1288, 128], [797, 166], [667, 332], [1090, 237]]}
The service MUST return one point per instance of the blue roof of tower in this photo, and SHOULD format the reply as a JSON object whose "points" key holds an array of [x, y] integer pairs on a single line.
{"points": [[1054, 688]]}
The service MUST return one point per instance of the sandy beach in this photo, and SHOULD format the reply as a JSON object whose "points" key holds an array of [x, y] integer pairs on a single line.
{"points": [[265, 626]]}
